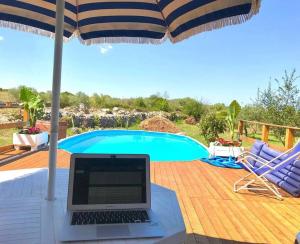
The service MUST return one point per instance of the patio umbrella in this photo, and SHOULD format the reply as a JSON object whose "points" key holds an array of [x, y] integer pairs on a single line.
{"points": [[110, 21]]}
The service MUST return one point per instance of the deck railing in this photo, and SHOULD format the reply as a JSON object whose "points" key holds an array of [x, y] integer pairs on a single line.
{"points": [[12, 125], [10, 105], [289, 131]]}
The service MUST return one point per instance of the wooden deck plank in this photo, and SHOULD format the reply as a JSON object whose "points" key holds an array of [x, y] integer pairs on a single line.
{"points": [[212, 212], [249, 221], [10, 153]]}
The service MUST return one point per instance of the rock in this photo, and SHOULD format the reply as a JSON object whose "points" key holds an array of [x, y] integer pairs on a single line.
{"points": [[115, 109], [105, 110], [81, 106]]}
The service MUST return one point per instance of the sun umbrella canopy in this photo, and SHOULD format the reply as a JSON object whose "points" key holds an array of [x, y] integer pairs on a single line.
{"points": [[137, 21], [100, 21]]}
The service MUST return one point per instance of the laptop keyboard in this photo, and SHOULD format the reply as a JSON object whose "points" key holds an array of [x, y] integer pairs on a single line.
{"points": [[109, 217]]}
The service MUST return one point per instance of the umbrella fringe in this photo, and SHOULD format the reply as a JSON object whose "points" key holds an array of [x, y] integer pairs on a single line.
{"points": [[218, 24], [131, 40], [30, 29]]}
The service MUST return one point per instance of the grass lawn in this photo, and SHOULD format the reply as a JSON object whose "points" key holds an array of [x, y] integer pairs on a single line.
{"points": [[191, 130], [6, 136]]}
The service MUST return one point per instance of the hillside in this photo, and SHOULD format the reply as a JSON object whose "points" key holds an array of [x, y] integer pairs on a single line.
{"points": [[5, 96]]}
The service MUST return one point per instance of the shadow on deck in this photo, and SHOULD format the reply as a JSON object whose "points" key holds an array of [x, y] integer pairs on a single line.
{"points": [[212, 212]]}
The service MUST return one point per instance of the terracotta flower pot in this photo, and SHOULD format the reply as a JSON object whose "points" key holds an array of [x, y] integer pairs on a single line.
{"points": [[46, 126]]}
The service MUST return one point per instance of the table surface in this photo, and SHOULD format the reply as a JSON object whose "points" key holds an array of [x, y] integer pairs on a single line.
{"points": [[26, 217]]}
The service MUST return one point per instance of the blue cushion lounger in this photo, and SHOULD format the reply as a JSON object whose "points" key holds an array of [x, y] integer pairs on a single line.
{"points": [[254, 151], [268, 165]]}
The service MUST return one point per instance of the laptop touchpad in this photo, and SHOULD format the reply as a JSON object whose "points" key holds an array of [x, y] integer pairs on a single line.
{"points": [[112, 230]]}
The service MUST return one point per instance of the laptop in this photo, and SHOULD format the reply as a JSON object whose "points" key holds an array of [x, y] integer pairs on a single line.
{"points": [[109, 197]]}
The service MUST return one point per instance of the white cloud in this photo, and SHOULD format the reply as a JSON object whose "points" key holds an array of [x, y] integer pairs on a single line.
{"points": [[105, 48], [1, 38]]}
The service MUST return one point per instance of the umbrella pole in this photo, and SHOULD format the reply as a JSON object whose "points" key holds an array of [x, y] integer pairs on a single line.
{"points": [[55, 104]]}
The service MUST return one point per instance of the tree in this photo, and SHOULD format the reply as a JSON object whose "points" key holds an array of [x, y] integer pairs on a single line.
{"points": [[66, 99], [32, 103], [81, 97], [288, 92], [140, 103], [46, 97], [159, 103], [232, 114], [193, 108], [253, 112], [96, 101], [281, 106], [15, 92]]}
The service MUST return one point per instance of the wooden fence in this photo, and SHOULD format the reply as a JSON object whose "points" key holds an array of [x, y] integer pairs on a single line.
{"points": [[12, 125], [289, 131], [10, 105]]}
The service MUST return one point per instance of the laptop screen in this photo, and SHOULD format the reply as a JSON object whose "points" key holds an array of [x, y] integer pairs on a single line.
{"points": [[109, 181]]}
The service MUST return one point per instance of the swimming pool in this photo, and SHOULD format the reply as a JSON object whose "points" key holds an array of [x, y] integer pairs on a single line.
{"points": [[160, 146]]}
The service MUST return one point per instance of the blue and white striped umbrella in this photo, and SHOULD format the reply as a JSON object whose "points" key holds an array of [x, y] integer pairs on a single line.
{"points": [[137, 21], [108, 21]]}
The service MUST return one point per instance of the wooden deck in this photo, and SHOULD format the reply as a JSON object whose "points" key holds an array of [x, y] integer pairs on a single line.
{"points": [[10, 153], [212, 212]]}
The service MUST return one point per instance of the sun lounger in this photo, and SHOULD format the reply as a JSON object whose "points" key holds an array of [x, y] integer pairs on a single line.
{"points": [[268, 166]]}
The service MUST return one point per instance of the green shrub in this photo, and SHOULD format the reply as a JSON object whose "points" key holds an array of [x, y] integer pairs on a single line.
{"points": [[159, 103], [211, 126], [139, 103]]}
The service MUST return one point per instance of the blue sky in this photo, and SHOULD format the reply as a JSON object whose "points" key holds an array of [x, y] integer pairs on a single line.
{"points": [[218, 66]]}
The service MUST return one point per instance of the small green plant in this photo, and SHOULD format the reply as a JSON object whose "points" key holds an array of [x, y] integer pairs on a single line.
{"points": [[32, 103], [119, 122], [96, 121], [211, 126], [233, 111]]}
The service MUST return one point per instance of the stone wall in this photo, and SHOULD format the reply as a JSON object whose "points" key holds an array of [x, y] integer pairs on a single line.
{"points": [[107, 118]]}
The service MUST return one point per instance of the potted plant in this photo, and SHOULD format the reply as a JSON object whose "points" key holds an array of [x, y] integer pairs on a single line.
{"points": [[31, 136]]}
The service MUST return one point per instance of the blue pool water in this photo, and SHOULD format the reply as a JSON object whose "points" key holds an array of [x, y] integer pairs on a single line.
{"points": [[160, 146]]}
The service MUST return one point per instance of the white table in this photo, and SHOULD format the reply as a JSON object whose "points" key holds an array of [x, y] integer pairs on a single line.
{"points": [[26, 217], [224, 151]]}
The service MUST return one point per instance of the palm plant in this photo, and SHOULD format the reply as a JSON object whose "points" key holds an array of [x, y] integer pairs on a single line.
{"points": [[233, 111], [33, 104]]}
